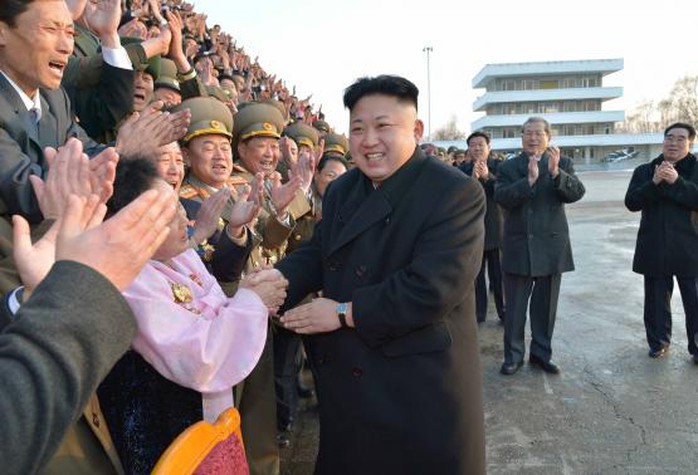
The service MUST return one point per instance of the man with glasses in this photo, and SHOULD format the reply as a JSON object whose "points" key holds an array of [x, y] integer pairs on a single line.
{"points": [[666, 192], [533, 188]]}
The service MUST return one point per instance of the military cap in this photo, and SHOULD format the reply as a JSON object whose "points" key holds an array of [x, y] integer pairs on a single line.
{"points": [[152, 67], [336, 143], [302, 134], [168, 75], [279, 105], [452, 149], [257, 120], [209, 116], [322, 126], [218, 92]]}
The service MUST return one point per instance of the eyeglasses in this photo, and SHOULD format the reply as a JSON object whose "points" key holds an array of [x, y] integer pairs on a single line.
{"points": [[671, 138], [534, 133]]}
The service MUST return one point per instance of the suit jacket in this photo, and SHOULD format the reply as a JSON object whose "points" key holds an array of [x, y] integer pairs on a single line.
{"points": [[667, 241], [400, 393], [22, 150], [493, 216], [53, 356], [536, 236]]}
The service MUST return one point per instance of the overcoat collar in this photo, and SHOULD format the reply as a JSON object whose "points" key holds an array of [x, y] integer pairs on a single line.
{"points": [[367, 205]]}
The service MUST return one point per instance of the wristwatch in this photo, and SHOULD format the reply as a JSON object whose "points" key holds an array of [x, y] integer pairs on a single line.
{"points": [[342, 314]]}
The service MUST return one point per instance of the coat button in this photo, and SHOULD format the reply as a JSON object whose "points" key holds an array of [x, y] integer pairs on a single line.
{"points": [[360, 271], [321, 361], [297, 237], [357, 372], [333, 266]]}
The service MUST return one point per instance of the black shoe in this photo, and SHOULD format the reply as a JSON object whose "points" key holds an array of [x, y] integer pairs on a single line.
{"points": [[658, 353], [508, 369], [695, 359], [547, 366], [305, 393], [283, 441]]}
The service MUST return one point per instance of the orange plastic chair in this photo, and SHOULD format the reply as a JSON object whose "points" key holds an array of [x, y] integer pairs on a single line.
{"points": [[207, 449]]}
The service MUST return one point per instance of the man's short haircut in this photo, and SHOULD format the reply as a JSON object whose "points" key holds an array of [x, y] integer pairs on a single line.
{"points": [[396, 86], [329, 157], [538, 120], [682, 125], [478, 133], [11, 9], [134, 176]]}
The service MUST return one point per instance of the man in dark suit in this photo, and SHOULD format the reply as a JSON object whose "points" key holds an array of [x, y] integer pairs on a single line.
{"points": [[75, 324], [393, 343], [533, 189], [666, 192], [484, 169]]}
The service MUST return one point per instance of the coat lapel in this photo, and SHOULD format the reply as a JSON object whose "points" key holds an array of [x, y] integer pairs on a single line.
{"points": [[368, 205], [364, 207]]}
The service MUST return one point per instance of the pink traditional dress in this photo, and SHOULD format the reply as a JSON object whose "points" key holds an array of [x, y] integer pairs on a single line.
{"points": [[193, 345]]}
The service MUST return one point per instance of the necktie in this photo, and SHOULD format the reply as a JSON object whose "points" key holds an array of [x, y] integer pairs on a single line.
{"points": [[34, 120]]}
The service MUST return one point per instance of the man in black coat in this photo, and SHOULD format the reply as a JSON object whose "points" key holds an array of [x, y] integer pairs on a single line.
{"points": [[393, 343], [533, 189], [484, 168], [666, 192]]}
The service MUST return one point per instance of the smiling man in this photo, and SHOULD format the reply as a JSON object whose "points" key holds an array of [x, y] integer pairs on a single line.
{"points": [[393, 342], [36, 40]]}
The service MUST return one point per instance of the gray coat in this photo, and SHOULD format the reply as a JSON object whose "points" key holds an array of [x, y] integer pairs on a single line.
{"points": [[22, 150], [536, 236], [62, 343], [401, 393]]}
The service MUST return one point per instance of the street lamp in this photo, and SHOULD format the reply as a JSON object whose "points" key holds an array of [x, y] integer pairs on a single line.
{"points": [[428, 50]]}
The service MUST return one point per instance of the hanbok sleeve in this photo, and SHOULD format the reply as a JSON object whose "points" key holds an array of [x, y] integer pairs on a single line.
{"points": [[208, 344]]}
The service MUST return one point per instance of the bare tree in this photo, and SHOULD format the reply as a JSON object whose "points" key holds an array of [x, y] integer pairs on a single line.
{"points": [[449, 131], [680, 105]]}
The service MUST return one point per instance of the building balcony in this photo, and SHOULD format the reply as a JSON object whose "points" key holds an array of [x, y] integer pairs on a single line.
{"points": [[559, 118], [547, 95], [545, 68]]}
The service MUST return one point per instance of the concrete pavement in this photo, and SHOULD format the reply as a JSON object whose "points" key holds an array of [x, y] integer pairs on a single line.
{"points": [[613, 410]]}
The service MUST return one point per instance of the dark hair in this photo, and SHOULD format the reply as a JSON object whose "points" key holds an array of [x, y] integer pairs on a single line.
{"points": [[331, 156], [134, 176], [395, 86], [11, 9], [478, 133], [682, 125]]}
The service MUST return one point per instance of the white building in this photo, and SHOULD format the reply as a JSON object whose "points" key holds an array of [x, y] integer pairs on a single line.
{"points": [[570, 95]]}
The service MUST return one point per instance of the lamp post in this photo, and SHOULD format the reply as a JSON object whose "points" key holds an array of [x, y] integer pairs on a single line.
{"points": [[428, 50]]}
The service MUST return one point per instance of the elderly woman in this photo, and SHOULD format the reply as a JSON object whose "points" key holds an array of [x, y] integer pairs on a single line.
{"points": [[193, 343]]}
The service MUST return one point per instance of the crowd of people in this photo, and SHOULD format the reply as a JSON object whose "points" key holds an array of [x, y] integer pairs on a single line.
{"points": [[179, 231]]}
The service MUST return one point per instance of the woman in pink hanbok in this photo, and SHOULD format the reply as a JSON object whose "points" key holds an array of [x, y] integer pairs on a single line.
{"points": [[193, 343]]}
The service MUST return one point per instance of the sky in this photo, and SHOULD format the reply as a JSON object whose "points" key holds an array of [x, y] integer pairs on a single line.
{"points": [[321, 47]]}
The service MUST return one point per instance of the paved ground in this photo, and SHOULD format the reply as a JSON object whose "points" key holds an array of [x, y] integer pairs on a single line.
{"points": [[612, 410]]}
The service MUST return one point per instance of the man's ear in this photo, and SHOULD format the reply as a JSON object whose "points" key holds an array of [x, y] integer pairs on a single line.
{"points": [[418, 130], [4, 28], [186, 157]]}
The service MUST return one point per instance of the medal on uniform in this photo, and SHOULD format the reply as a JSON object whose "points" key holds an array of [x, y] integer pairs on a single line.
{"points": [[181, 293]]}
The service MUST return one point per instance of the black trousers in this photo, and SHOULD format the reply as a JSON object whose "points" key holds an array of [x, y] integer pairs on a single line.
{"points": [[543, 293], [490, 261], [287, 366], [657, 314]]}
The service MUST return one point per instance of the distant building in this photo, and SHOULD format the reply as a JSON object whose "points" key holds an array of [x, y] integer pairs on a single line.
{"points": [[570, 95]]}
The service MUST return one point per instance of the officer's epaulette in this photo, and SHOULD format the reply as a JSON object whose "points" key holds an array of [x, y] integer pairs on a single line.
{"points": [[236, 180], [188, 192]]}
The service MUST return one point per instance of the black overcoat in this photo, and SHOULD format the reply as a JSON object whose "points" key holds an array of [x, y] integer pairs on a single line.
{"points": [[536, 237], [667, 241], [494, 220], [401, 393]]}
